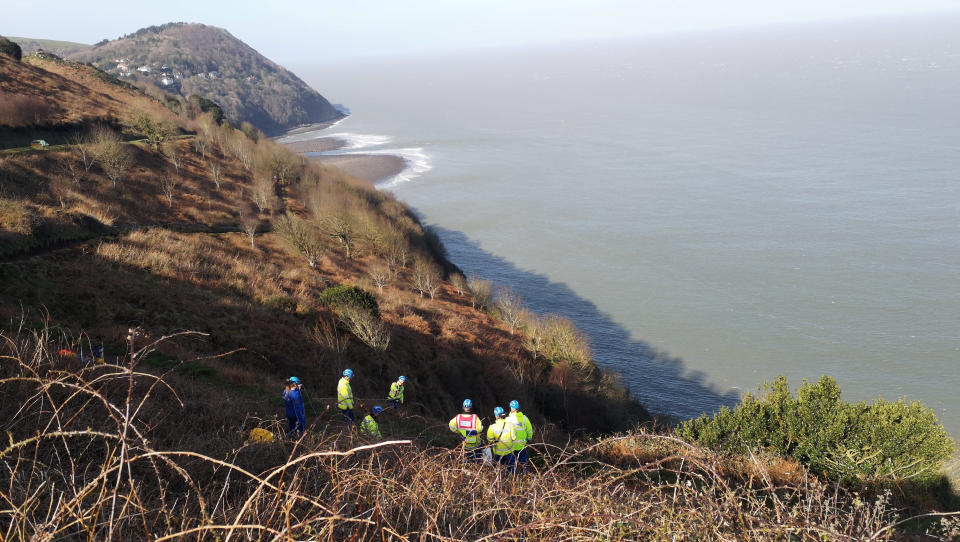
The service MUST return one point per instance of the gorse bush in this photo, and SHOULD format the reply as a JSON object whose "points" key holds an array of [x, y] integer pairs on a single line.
{"points": [[844, 441], [339, 296]]}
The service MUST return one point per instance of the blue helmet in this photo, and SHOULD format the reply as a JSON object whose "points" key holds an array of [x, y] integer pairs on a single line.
{"points": [[402, 379], [294, 380], [467, 403], [514, 405], [377, 410], [498, 411], [348, 373]]}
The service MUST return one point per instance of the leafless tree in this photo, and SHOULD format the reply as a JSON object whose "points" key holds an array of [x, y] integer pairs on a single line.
{"points": [[302, 235], [69, 169], [250, 223], [460, 283], [425, 277], [168, 185], [510, 308], [380, 275], [82, 147], [200, 145], [216, 172], [365, 326], [481, 293], [262, 193], [340, 226], [175, 156], [114, 155]]}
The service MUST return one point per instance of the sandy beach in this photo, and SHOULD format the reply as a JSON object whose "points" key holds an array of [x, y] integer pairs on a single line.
{"points": [[370, 167]]}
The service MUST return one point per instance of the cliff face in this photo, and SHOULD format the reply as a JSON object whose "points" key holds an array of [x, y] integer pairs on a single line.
{"points": [[209, 61]]}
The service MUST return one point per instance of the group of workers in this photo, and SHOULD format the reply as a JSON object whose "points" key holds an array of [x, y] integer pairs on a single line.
{"points": [[507, 436]]}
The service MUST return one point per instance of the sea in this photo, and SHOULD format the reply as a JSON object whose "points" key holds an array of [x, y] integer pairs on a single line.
{"points": [[713, 209]]}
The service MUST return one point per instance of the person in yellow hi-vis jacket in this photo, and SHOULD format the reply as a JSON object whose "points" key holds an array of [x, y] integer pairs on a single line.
{"points": [[370, 425], [396, 392], [500, 435], [470, 428], [345, 396], [522, 433]]}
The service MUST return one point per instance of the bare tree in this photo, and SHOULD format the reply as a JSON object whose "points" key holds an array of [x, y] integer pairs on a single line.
{"points": [[200, 145], [481, 293], [283, 165], [425, 277], [69, 169], [341, 227], [216, 172], [510, 308], [380, 275], [250, 223], [262, 193], [302, 235], [365, 326], [82, 147], [168, 185], [175, 156], [460, 283], [114, 156]]}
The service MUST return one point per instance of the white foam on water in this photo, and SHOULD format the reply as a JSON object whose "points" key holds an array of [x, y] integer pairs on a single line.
{"points": [[360, 141], [417, 161]]}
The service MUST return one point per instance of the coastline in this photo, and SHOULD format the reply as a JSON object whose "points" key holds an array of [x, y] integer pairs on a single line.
{"points": [[322, 144]]}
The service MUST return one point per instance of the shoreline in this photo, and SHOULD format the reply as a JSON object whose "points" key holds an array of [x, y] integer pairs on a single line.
{"points": [[321, 144], [369, 167]]}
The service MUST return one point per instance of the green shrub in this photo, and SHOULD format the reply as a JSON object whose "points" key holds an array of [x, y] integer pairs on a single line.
{"points": [[207, 106], [844, 441], [10, 49], [337, 296]]}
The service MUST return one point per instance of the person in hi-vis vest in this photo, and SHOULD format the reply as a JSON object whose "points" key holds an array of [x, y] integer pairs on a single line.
{"points": [[468, 426]]}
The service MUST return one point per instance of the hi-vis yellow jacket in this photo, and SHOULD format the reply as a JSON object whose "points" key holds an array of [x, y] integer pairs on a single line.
{"points": [[371, 427], [344, 394], [500, 435], [396, 392], [522, 429], [469, 426]]}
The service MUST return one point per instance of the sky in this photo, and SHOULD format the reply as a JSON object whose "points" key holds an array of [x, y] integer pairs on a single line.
{"points": [[299, 30]]}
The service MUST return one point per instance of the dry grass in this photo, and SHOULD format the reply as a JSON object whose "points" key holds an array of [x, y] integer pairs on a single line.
{"points": [[82, 463]]}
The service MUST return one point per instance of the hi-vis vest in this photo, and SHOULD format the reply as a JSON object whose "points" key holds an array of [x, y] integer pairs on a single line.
{"points": [[500, 435], [522, 429], [396, 392], [344, 394], [371, 427], [469, 427]]}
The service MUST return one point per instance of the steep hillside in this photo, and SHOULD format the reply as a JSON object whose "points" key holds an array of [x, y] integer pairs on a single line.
{"points": [[208, 61]]}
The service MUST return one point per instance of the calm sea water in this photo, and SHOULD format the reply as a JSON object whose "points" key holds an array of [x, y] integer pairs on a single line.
{"points": [[714, 210]]}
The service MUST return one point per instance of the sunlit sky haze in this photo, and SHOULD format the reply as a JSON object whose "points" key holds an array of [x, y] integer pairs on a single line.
{"points": [[299, 30]]}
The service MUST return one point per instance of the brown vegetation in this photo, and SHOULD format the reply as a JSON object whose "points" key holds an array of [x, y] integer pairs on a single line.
{"points": [[95, 456]]}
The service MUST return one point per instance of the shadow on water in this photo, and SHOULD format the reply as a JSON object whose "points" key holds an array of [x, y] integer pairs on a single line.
{"points": [[658, 380]]}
